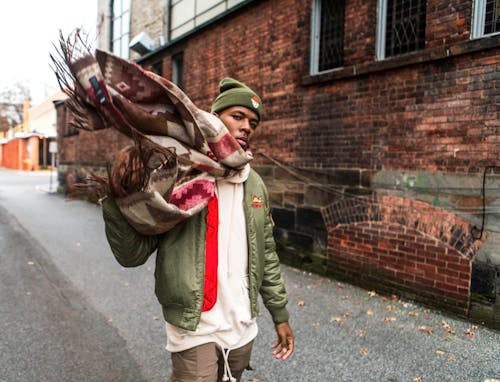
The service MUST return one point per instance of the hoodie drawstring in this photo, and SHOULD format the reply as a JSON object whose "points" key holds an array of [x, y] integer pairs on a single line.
{"points": [[227, 371]]}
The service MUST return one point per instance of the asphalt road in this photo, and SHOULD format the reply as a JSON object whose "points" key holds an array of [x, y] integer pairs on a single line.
{"points": [[48, 331], [106, 317]]}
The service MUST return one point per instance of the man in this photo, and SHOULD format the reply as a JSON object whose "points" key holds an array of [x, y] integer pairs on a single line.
{"points": [[211, 268]]}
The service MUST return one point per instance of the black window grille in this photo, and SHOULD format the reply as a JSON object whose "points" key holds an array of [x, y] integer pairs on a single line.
{"points": [[405, 26], [492, 17], [331, 40]]}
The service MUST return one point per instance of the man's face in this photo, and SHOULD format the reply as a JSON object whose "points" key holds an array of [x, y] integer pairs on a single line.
{"points": [[241, 123]]}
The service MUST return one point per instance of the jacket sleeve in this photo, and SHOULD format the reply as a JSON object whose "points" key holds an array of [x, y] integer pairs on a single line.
{"points": [[273, 286], [129, 247]]}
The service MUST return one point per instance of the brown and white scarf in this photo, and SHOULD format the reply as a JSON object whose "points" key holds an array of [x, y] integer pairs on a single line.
{"points": [[179, 150]]}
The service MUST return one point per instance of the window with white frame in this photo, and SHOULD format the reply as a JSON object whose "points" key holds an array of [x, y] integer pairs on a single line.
{"points": [[486, 19], [327, 36], [120, 27], [401, 27], [186, 15]]}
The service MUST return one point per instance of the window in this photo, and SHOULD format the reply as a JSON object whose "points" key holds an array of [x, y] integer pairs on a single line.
{"points": [[178, 69], [120, 27], [401, 27], [486, 18], [327, 49], [186, 15]]}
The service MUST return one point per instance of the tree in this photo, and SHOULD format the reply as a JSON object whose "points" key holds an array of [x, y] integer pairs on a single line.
{"points": [[11, 105]]}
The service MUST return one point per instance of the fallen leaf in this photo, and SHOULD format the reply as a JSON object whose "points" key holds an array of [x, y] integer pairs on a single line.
{"points": [[492, 380], [389, 307], [389, 319], [338, 320], [301, 303], [475, 327], [372, 293], [255, 380], [469, 333], [447, 327], [418, 379], [394, 297], [439, 352], [31, 263], [346, 314], [361, 332], [364, 352], [340, 286], [451, 357], [370, 312], [413, 314], [315, 324], [425, 329]]}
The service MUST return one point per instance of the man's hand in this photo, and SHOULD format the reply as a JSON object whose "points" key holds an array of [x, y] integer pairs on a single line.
{"points": [[284, 346]]}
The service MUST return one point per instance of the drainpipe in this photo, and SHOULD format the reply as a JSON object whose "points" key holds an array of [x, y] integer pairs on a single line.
{"points": [[110, 17], [169, 19]]}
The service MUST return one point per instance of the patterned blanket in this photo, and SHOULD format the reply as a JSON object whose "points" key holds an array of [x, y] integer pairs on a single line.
{"points": [[179, 150]]}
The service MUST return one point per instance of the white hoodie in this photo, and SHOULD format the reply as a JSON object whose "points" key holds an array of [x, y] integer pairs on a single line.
{"points": [[229, 322]]}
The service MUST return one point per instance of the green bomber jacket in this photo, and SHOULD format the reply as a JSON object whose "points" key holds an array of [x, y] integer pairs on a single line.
{"points": [[180, 259]]}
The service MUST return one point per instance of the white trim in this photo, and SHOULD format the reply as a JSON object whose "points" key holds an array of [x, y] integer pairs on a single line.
{"points": [[478, 20], [315, 35], [381, 29], [478, 14]]}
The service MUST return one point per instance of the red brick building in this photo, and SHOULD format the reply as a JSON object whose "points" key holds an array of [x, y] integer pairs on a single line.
{"points": [[380, 136]]}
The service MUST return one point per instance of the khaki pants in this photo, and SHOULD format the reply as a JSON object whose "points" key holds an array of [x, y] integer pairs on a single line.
{"points": [[205, 363]]}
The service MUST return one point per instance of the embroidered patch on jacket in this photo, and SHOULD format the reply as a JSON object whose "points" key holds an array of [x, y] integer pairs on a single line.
{"points": [[257, 201]]}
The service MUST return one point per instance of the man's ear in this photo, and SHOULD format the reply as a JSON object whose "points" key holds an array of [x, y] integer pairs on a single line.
{"points": [[216, 114]]}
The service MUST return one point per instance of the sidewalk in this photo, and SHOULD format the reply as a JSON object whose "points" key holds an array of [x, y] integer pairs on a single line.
{"points": [[343, 333]]}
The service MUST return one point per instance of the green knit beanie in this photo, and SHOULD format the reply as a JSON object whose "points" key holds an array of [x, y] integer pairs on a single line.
{"points": [[235, 93]]}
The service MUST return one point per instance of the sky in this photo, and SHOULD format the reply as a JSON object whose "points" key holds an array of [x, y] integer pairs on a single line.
{"points": [[28, 30]]}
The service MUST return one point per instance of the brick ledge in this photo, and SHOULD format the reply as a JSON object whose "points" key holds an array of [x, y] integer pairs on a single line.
{"points": [[426, 55]]}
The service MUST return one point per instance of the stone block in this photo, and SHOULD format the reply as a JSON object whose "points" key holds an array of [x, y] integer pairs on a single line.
{"points": [[283, 218], [275, 198], [483, 280], [315, 196], [293, 199], [367, 177], [310, 218], [264, 171], [300, 240]]}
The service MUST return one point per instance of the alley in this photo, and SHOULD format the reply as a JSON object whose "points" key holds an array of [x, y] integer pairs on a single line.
{"points": [[67, 304]]}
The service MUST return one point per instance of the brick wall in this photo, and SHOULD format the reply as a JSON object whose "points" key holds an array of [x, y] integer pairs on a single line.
{"points": [[398, 244], [325, 137], [81, 152]]}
